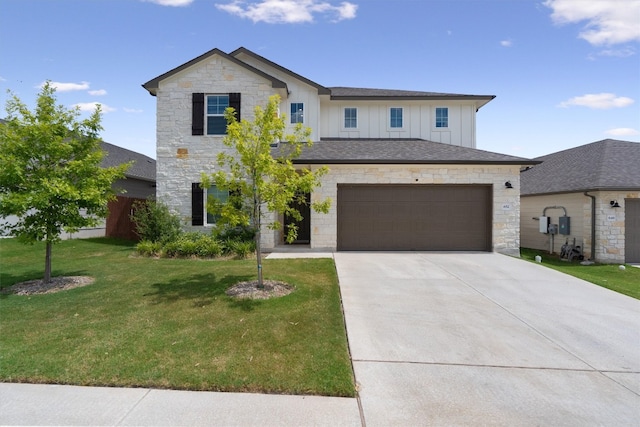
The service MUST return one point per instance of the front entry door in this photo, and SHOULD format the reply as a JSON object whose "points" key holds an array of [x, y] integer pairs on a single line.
{"points": [[304, 226]]}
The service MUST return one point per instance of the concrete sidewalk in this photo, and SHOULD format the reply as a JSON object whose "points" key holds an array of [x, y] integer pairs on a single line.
{"points": [[29, 404]]}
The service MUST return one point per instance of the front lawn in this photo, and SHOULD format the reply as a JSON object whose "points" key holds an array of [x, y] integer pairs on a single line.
{"points": [[167, 323], [609, 276]]}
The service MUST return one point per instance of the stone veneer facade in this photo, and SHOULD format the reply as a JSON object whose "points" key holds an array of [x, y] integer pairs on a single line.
{"points": [[506, 202], [610, 230], [182, 157]]}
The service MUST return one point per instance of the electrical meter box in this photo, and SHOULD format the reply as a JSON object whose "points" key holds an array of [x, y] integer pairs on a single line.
{"points": [[553, 228], [564, 225], [544, 224]]}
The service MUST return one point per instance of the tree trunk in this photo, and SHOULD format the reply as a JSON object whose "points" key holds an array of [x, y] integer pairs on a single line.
{"points": [[47, 263], [257, 223], [259, 260]]}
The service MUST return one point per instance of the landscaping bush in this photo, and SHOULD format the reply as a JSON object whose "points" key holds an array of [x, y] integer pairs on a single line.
{"points": [[155, 222], [240, 233], [193, 245], [148, 248], [241, 249]]}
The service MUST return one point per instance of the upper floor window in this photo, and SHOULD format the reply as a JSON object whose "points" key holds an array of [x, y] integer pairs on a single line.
{"points": [[442, 117], [216, 123], [351, 118], [297, 112], [395, 117]]}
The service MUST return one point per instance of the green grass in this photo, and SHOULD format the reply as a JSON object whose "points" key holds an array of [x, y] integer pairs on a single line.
{"points": [[608, 276], [167, 323]]}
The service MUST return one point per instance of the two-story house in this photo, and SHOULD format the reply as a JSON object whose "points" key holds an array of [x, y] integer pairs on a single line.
{"points": [[405, 173]]}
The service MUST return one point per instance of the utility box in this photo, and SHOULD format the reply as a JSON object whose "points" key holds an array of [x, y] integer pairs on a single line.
{"points": [[564, 225], [544, 224], [553, 228]]}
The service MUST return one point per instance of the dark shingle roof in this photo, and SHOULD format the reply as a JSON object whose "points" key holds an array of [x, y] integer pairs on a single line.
{"points": [[367, 93], [603, 165], [398, 151], [143, 167]]}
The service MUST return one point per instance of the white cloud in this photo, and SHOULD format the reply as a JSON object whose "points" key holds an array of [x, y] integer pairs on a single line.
{"points": [[132, 110], [506, 43], [608, 22], [599, 101], [618, 53], [622, 132], [99, 92], [91, 106], [288, 11], [67, 87], [175, 3]]}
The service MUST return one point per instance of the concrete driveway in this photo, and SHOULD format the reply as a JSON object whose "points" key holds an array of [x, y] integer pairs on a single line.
{"points": [[485, 339]]}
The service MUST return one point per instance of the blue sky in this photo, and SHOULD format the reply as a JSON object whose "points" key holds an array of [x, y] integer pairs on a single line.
{"points": [[564, 72]]}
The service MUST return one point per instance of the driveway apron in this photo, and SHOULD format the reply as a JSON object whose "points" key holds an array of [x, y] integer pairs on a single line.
{"points": [[486, 339]]}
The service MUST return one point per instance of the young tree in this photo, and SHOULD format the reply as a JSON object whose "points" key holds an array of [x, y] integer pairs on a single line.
{"points": [[50, 174], [256, 179]]}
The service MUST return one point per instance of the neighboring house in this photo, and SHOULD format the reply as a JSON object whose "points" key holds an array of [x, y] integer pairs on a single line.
{"points": [[598, 185], [139, 183], [404, 170]]}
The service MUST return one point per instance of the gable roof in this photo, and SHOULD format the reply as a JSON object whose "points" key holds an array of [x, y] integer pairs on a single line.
{"points": [[351, 93], [143, 168], [242, 50], [152, 85], [336, 93], [398, 151], [609, 164]]}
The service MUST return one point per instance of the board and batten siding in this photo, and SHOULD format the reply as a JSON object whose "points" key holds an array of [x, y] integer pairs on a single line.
{"points": [[418, 117]]}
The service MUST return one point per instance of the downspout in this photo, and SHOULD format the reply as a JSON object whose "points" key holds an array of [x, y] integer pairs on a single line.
{"points": [[593, 225]]}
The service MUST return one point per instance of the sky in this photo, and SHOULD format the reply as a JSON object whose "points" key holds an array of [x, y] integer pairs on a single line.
{"points": [[564, 72]]}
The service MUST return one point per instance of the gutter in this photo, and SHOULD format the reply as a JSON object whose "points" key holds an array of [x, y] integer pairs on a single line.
{"points": [[593, 225]]}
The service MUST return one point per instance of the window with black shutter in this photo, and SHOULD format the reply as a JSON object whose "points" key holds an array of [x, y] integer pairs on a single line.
{"points": [[197, 204], [209, 110], [234, 102], [197, 114]]}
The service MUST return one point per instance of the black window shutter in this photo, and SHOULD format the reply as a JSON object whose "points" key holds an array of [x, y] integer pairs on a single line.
{"points": [[234, 102], [197, 118], [197, 204]]}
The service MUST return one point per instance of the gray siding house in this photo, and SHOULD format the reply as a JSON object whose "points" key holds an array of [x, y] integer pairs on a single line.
{"points": [[597, 186]]}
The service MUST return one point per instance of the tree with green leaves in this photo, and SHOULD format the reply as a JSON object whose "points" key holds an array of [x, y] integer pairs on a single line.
{"points": [[50, 173], [258, 182]]}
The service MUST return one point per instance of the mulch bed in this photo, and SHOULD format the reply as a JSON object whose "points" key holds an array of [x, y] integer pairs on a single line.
{"points": [[57, 284], [250, 290]]}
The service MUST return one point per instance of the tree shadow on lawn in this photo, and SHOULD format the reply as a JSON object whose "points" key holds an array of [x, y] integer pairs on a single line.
{"points": [[201, 289]]}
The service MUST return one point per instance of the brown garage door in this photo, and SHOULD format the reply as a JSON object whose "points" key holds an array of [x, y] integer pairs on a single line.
{"points": [[632, 230], [414, 217]]}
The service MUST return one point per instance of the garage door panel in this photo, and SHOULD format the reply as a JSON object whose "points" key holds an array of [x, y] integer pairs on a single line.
{"points": [[414, 217]]}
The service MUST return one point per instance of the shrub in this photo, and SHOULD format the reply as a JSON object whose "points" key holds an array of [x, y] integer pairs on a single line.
{"points": [[241, 249], [193, 244], [155, 222], [240, 233], [148, 248]]}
